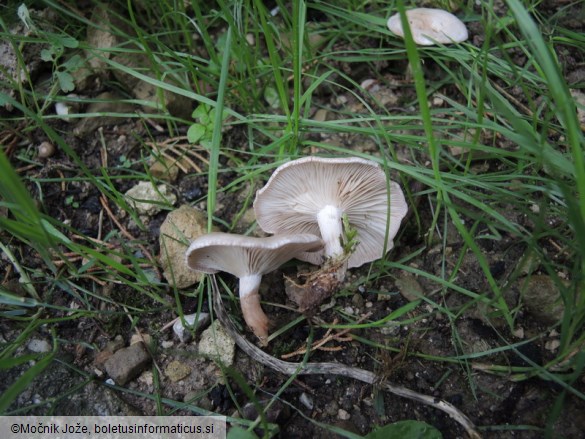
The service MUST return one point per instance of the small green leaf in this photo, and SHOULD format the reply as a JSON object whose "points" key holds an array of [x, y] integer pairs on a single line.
{"points": [[195, 132], [47, 55], [271, 96], [73, 63], [206, 144], [240, 433], [406, 430], [66, 41], [201, 112], [66, 83]]}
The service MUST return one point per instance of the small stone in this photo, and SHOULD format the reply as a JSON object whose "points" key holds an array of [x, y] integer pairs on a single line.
{"points": [[306, 400], [185, 332], [357, 300], [368, 84], [343, 415], [320, 115], [39, 346], [46, 150], [276, 412], [217, 344], [116, 344], [176, 371], [139, 338], [167, 344], [409, 288], [437, 101], [146, 378], [552, 345], [147, 200], [180, 227], [331, 408], [63, 109], [518, 332], [101, 357], [165, 168], [127, 363], [542, 299]]}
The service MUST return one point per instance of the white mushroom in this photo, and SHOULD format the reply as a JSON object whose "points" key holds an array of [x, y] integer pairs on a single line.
{"points": [[248, 258], [430, 26], [311, 195]]}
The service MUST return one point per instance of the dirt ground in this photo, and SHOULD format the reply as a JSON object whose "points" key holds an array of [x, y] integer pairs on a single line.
{"points": [[487, 399]]}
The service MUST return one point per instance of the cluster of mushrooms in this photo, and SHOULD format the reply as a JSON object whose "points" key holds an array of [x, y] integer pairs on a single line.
{"points": [[306, 202], [304, 205]]}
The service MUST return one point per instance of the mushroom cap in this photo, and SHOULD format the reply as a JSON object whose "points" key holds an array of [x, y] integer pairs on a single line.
{"points": [[430, 26], [245, 255], [299, 189]]}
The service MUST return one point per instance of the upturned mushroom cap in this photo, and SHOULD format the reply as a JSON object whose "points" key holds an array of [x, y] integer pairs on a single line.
{"points": [[248, 258], [430, 26], [303, 195], [245, 255]]}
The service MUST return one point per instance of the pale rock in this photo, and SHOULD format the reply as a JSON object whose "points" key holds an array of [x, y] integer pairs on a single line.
{"points": [[184, 332], [217, 344], [176, 371], [147, 200], [180, 227], [38, 345]]}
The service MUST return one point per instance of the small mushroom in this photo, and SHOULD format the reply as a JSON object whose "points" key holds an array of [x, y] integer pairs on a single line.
{"points": [[249, 259], [430, 26], [311, 195]]}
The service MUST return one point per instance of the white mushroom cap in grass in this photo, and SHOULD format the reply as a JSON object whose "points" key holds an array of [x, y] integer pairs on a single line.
{"points": [[430, 26], [248, 258], [311, 194]]}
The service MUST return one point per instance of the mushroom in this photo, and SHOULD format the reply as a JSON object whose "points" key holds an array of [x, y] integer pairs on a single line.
{"points": [[312, 194], [430, 26], [248, 258]]}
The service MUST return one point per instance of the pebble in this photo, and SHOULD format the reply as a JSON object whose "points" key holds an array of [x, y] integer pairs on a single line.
{"points": [[179, 228], [185, 333], [127, 363], [147, 200], [38, 345], [542, 299], [176, 371], [343, 415], [139, 338], [146, 378], [217, 344], [306, 400], [116, 344], [46, 150], [552, 345], [409, 288]]}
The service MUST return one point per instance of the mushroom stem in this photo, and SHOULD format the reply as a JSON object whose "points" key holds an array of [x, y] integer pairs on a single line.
{"points": [[329, 220], [251, 310]]}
